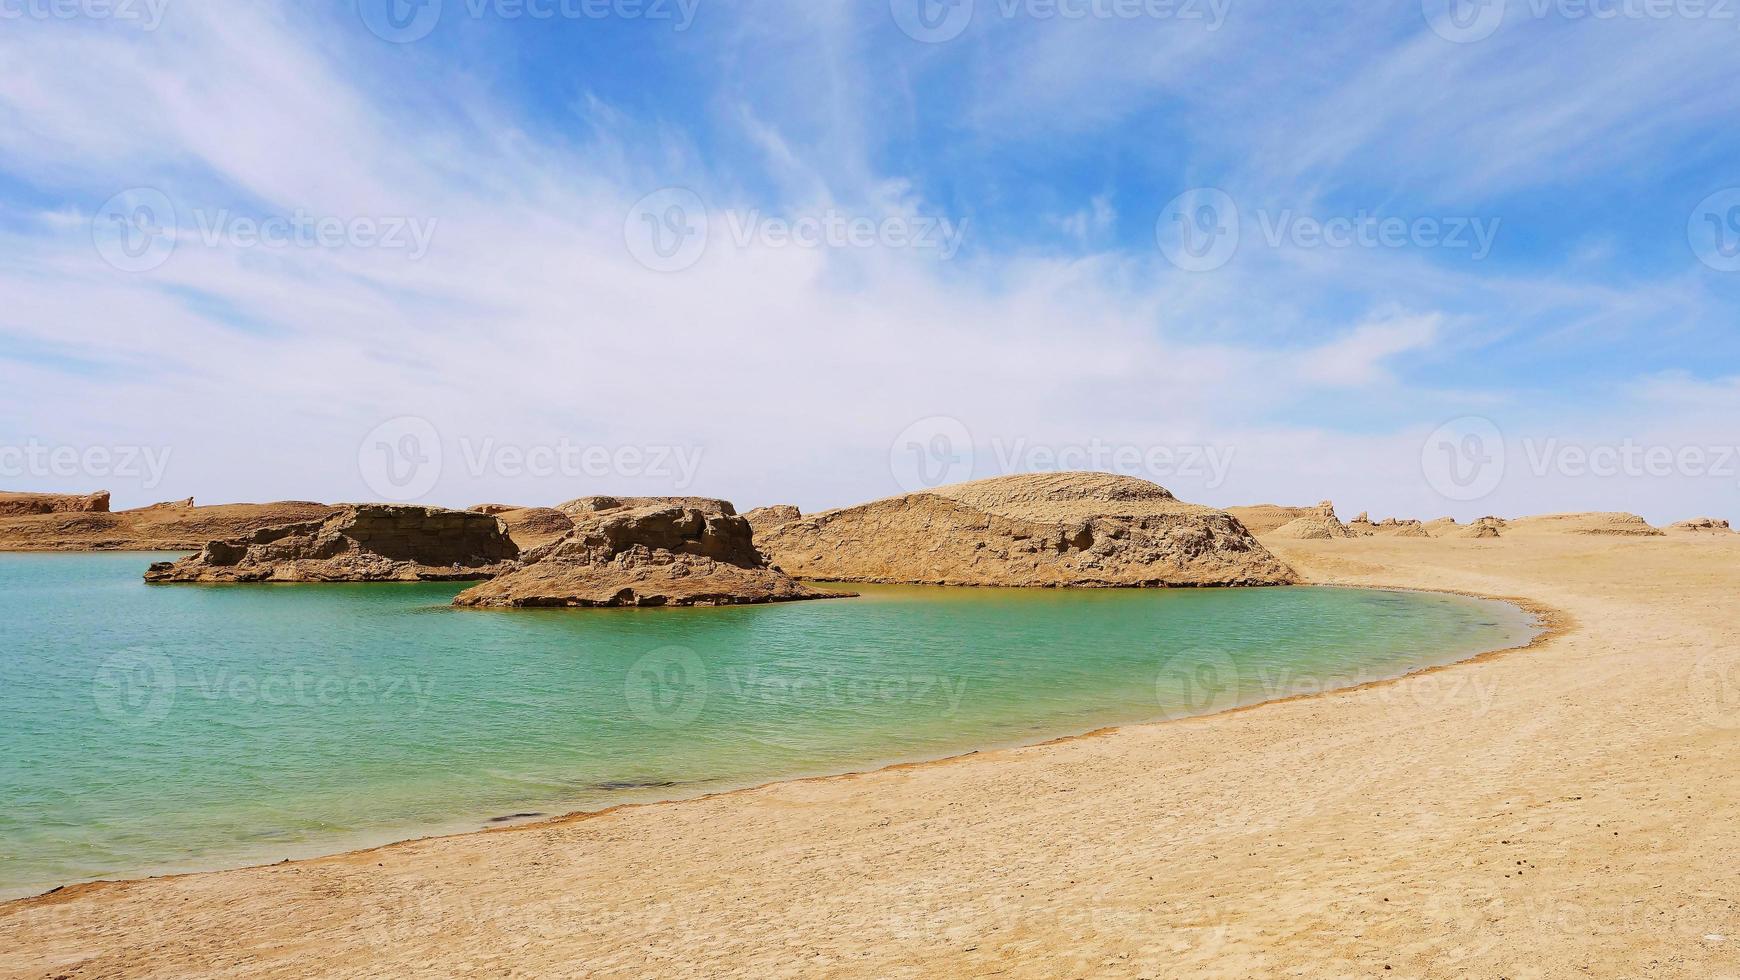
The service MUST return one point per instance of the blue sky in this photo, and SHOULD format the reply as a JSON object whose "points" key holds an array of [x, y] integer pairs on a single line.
{"points": [[1557, 180]]}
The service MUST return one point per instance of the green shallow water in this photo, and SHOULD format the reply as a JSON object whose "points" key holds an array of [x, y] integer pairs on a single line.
{"points": [[151, 729]]}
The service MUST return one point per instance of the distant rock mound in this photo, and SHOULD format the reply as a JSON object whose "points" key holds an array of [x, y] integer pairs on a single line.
{"points": [[595, 505], [24, 504], [1261, 519], [530, 527], [1320, 524], [1445, 527], [1392, 527], [1608, 524], [1047, 529], [359, 543], [645, 553], [765, 519], [1701, 525], [1486, 527]]}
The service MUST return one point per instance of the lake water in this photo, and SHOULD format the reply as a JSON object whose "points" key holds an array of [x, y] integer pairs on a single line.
{"points": [[158, 728]]}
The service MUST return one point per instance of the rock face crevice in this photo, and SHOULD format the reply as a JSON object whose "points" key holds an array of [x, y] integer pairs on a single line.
{"points": [[1048, 530], [359, 543], [644, 552]]}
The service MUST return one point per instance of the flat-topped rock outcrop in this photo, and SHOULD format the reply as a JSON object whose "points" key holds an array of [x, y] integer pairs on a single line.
{"points": [[1317, 524], [1261, 519], [170, 526], [21, 504], [359, 543], [1047, 529], [1597, 523], [1701, 525], [645, 552]]}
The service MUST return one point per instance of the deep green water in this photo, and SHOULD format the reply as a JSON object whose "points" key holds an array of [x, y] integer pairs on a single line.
{"points": [[149, 729]]}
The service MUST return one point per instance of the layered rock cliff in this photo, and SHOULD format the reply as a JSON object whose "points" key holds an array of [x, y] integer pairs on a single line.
{"points": [[359, 543]]}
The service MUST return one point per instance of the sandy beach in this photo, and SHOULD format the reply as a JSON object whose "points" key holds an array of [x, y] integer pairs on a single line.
{"points": [[1566, 810]]}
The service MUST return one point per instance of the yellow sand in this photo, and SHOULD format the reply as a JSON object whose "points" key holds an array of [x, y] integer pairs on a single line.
{"points": [[1569, 810]]}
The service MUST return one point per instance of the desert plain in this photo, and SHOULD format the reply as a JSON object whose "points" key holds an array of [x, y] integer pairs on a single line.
{"points": [[1568, 809]]}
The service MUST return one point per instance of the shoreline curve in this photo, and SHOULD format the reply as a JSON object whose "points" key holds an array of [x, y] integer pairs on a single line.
{"points": [[1552, 622]]}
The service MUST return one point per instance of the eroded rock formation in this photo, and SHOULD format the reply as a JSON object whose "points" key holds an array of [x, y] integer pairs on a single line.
{"points": [[1610, 523], [1261, 519], [359, 543], [765, 519], [22, 504], [1318, 524], [645, 552], [171, 526], [1048, 529], [1701, 525], [530, 527]]}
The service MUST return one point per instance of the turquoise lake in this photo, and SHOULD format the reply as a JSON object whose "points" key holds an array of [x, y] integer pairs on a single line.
{"points": [[162, 728]]}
